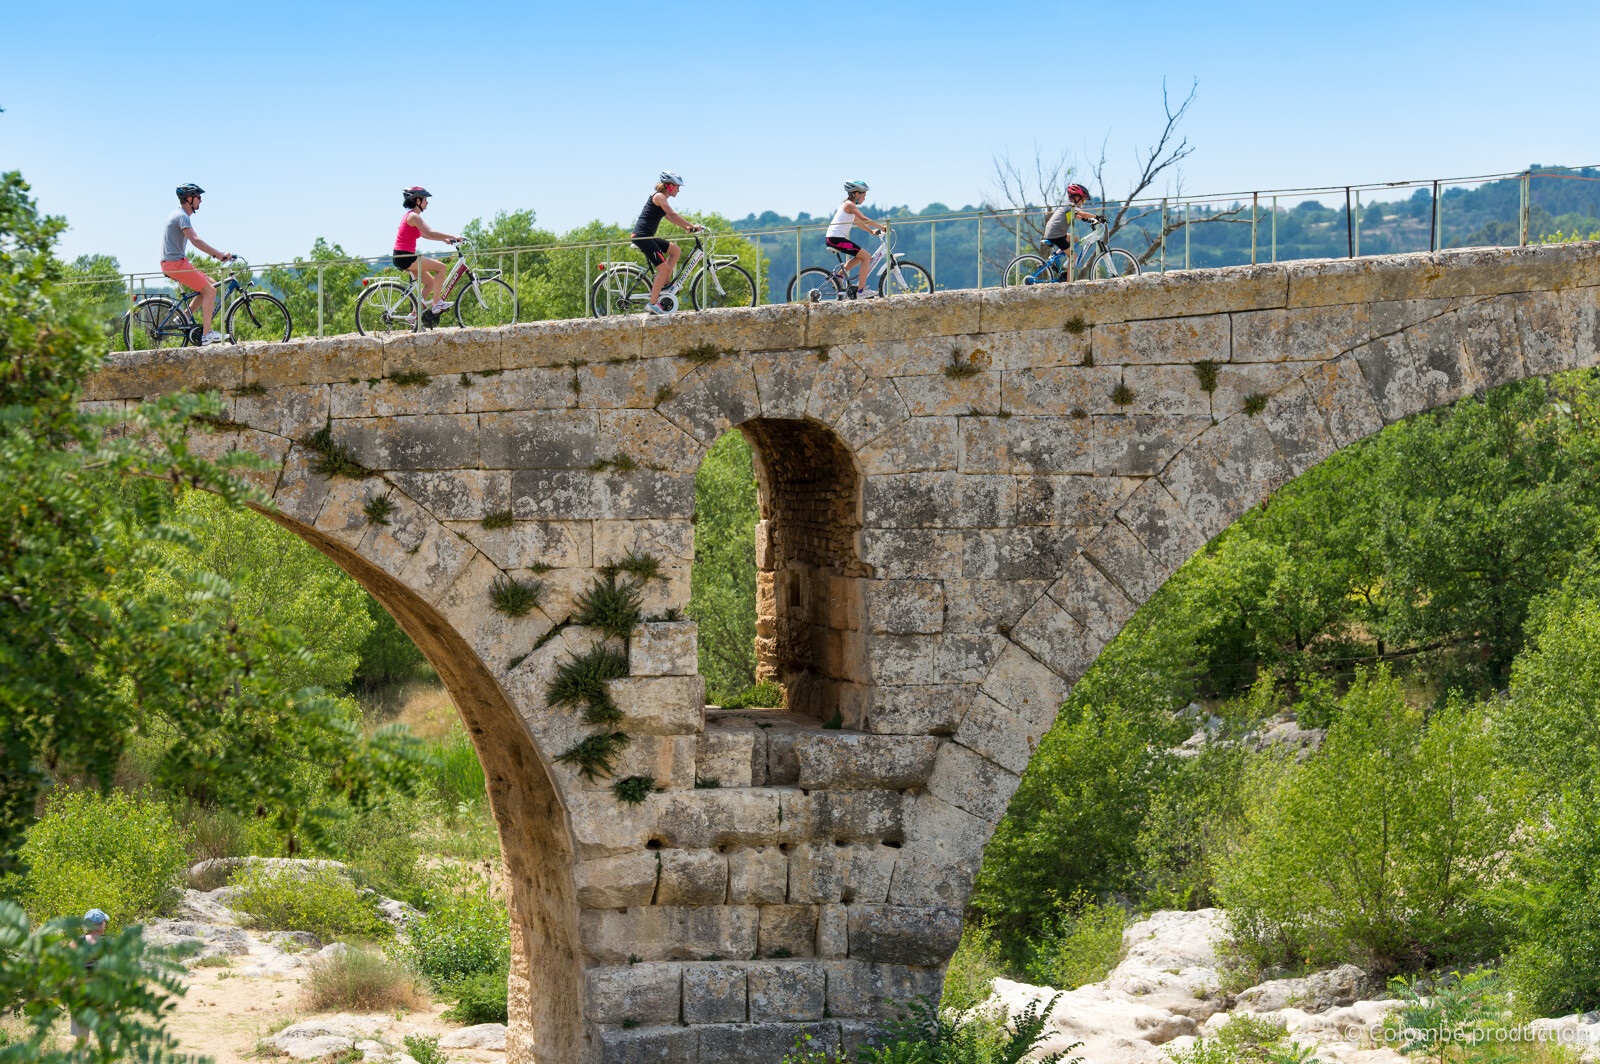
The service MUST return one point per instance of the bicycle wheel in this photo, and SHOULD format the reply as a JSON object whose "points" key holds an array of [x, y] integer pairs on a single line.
{"points": [[738, 288], [815, 285], [905, 278], [1113, 262], [621, 289], [258, 316], [1023, 270], [387, 308], [154, 322], [488, 302]]}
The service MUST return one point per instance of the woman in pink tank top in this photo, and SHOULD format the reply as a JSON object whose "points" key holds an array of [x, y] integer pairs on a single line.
{"points": [[415, 200]]}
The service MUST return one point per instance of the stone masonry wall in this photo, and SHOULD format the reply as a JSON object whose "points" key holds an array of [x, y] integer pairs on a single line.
{"points": [[965, 496]]}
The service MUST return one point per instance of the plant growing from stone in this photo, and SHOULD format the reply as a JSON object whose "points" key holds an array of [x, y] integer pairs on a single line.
{"points": [[498, 519], [250, 388], [411, 378], [333, 459], [1206, 371], [513, 597], [633, 790], [379, 509], [593, 756], [1254, 403], [609, 605], [1122, 395], [581, 681]]}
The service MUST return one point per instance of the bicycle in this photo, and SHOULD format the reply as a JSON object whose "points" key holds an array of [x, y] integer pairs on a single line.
{"points": [[714, 281], [899, 276], [168, 321], [389, 306], [1094, 261]]}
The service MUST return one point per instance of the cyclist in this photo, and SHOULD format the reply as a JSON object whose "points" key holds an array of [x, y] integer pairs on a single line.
{"points": [[847, 217], [176, 265], [661, 254], [407, 260], [1058, 229]]}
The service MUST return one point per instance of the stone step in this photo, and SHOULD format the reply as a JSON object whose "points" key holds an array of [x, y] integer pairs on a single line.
{"points": [[754, 748]]}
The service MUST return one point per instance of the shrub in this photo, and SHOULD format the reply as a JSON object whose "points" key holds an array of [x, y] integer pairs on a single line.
{"points": [[479, 998], [973, 969], [116, 852], [320, 900], [465, 932], [1081, 946], [424, 1049], [923, 1034], [1552, 969], [358, 980], [457, 772], [764, 695]]}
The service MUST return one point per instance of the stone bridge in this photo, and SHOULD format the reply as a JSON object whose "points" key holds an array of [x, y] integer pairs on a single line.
{"points": [[963, 498]]}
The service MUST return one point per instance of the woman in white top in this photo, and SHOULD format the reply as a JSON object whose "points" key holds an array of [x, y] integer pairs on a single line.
{"points": [[847, 217]]}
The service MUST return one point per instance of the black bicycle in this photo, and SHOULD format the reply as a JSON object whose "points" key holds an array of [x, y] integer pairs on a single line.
{"points": [[164, 321]]}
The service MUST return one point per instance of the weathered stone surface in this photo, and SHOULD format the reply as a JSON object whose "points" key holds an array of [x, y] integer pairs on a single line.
{"points": [[874, 990], [903, 607], [660, 704], [664, 648], [692, 877], [728, 757], [758, 875], [929, 709], [663, 932], [856, 762], [649, 1045], [617, 882], [634, 993], [897, 935], [786, 992], [742, 1044], [714, 993], [788, 931]]}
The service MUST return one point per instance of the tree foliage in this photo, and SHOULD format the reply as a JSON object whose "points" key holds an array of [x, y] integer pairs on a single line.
{"points": [[723, 583]]}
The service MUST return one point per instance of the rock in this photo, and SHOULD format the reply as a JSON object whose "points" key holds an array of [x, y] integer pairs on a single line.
{"points": [[318, 1038], [294, 941], [397, 913], [1284, 730], [1169, 962], [209, 874], [1320, 992], [209, 940], [1110, 1028], [207, 907], [482, 1036]]}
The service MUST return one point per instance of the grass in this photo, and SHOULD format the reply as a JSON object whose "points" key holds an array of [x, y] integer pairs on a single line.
{"points": [[378, 510], [1122, 395], [581, 681], [621, 463], [634, 789], [217, 423], [642, 567], [764, 695], [663, 393], [1206, 370], [1076, 325], [424, 1049], [703, 354], [593, 755], [411, 378], [513, 597], [1254, 403], [498, 519], [250, 388], [358, 980], [1079, 413], [457, 772], [958, 370]]}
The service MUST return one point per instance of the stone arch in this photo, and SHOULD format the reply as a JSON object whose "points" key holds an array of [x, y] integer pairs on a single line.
{"points": [[810, 616]]}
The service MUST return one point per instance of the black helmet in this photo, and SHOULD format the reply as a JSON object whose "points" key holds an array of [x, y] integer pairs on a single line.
{"points": [[191, 189], [410, 196]]}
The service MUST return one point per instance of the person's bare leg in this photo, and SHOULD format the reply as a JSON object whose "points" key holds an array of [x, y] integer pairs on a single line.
{"points": [[862, 261], [664, 272], [208, 306]]}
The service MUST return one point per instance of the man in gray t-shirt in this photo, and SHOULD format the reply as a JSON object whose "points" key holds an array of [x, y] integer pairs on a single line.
{"points": [[176, 265]]}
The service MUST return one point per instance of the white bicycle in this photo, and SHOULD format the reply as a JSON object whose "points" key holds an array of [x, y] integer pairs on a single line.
{"points": [[896, 276], [713, 281], [1094, 261]]}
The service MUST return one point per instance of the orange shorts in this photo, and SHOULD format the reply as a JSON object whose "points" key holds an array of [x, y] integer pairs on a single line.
{"points": [[185, 273]]}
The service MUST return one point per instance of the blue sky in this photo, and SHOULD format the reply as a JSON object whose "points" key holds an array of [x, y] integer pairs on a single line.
{"points": [[316, 114]]}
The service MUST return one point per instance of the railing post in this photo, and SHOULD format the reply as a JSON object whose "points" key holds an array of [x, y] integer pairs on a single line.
{"points": [[1527, 200], [1274, 228], [980, 250], [1349, 227], [933, 251], [1016, 251], [1255, 205], [1434, 233], [319, 299], [1186, 236], [797, 262], [1163, 234], [516, 299], [1355, 223]]}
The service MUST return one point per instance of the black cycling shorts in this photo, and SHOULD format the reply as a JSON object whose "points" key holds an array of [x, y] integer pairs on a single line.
{"points": [[1062, 242], [654, 248], [403, 260], [844, 244]]}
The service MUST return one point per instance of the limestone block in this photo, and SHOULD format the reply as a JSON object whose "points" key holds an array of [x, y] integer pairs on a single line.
{"points": [[1057, 391], [664, 648], [633, 993], [786, 993], [766, 560], [727, 757], [556, 343], [989, 605], [748, 1043], [1160, 524], [788, 931], [626, 383], [1492, 341], [767, 328], [911, 554], [1423, 367], [214, 446], [1140, 445], [649, 1045], [1070, 501], [783, 765], [1229, 469], [1026, 553], [1004, 737], [442, 351], [292, 412], [858, 990], [313, 361], [1024, 686], [904, 607], [901, 935], [945, 832], [544, 439], [935, 394], [660, 705], [1582, 307], [1342, 395], [1027, 349], [967, 657], [604, 827], [616, 882], [1027, 445], [1164, 340], [1125, 561], [554, 494], [839, 761], [1170, 391], [1545, 327], [714, 398], [457, 494], [834, 382], [948, 314], [972, 782], [783, 381], [649, 439], [817, 872], [705, 819], [421, 441], [851, 816], [923, 879], [918, 445], [1236, 384], [1151, 295], [873, 410], [147, 374], [535, 388], [692, 877], [757, 875], [670, 540], [857, 1035], [917, 355], [903, 659], [384, 398], [833, 932], [531, 544], [1059, 641], [437, 563], [714, 993], [1297, 428], [669, 932], [641, 494], [930, 709]]}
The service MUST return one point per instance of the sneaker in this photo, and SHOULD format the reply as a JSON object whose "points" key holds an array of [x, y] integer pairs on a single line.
{"points": [[213, 337], [654, 308], [867, 293], [440, 307]]}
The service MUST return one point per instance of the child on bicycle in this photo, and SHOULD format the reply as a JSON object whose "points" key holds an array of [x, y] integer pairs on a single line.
{"points": [[660, 254], [847, 217], [176, 265], [1058, 229], [406, 259]]}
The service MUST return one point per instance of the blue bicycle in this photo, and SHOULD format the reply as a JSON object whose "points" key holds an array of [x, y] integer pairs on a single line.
{"points": [[169, 321], [1094, 261]]}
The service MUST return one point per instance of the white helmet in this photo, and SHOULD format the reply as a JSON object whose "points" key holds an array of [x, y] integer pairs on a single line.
{"points": [[671, 177]]}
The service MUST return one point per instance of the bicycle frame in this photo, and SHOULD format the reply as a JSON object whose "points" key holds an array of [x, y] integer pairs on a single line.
{"points": [[703, 253], [882, 259]]}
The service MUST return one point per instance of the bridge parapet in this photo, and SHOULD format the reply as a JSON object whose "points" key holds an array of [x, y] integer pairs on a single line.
{"points": [[964, 496]]}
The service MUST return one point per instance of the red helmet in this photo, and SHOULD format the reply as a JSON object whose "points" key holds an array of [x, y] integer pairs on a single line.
{"points": [[1077, 190]]}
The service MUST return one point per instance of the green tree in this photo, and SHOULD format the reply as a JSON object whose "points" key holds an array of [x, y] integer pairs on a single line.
{"points": [[722, 597]]}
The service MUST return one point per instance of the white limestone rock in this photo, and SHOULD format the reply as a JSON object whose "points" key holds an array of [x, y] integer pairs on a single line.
{"points": [[481, 1036]]}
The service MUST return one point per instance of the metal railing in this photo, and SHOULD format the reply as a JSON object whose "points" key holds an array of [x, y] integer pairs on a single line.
{"points": [[1176, 232]]}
